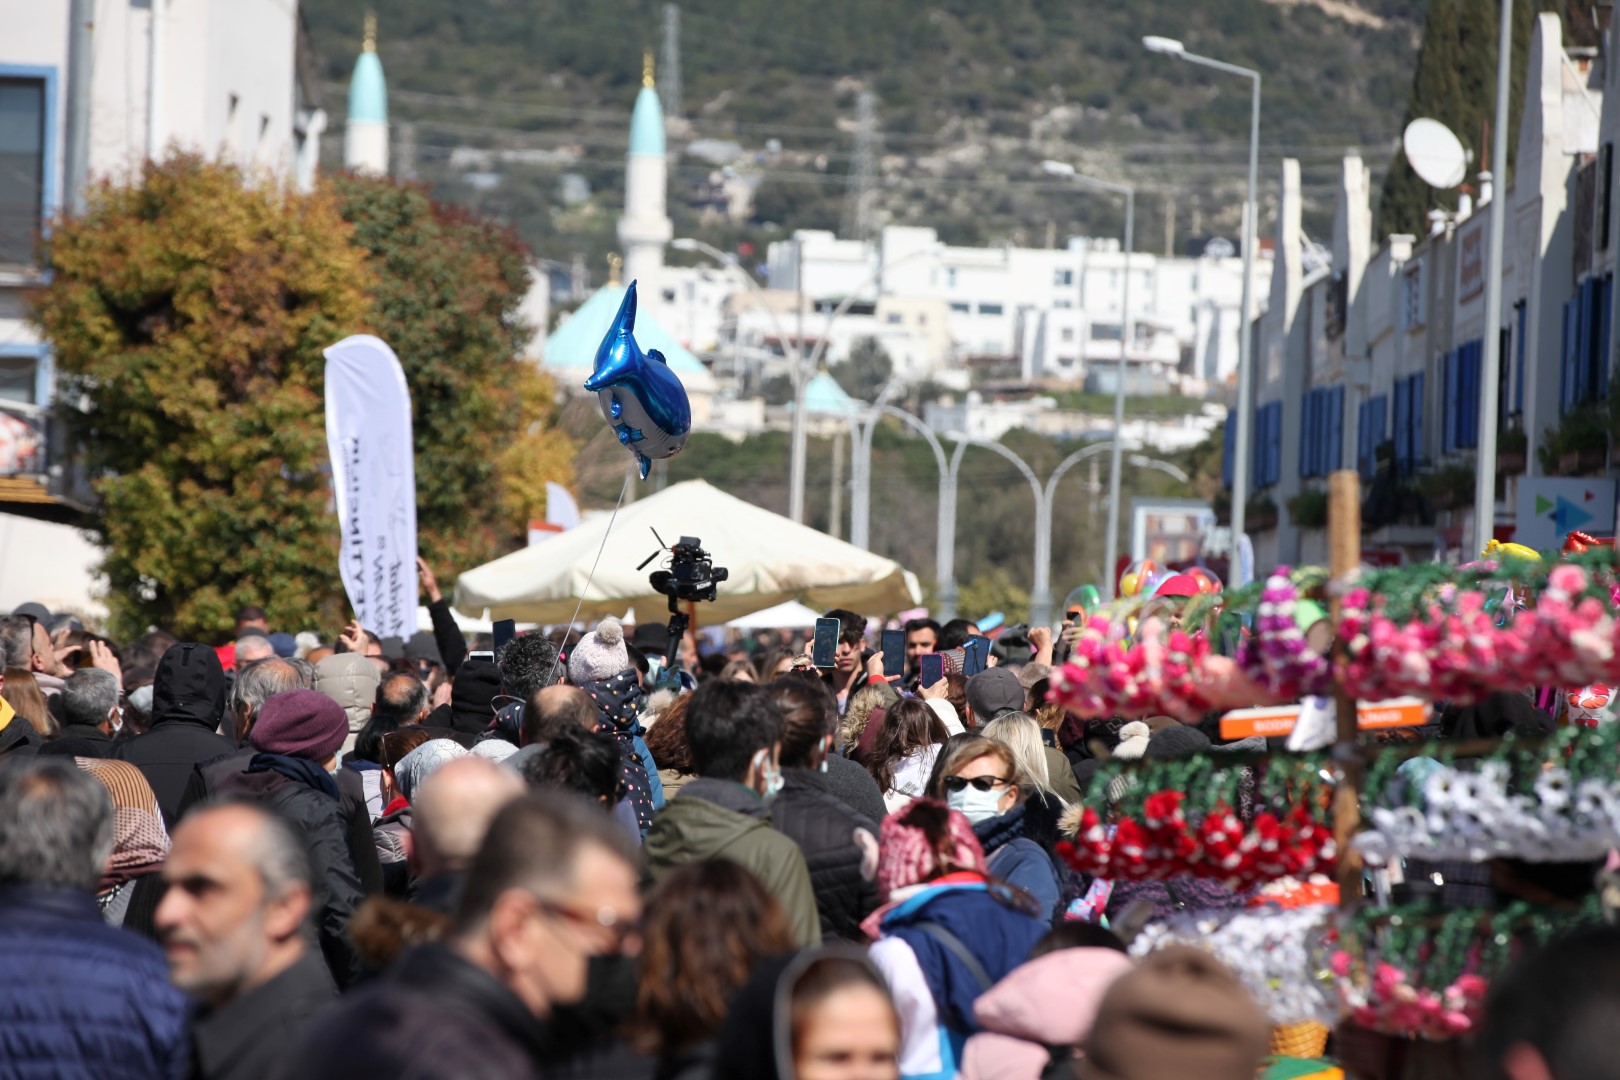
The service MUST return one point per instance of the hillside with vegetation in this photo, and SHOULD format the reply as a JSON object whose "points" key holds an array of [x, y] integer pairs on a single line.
{"points": [[970, 96]]}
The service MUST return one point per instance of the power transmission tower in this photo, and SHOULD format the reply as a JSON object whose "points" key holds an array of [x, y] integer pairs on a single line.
{"points": [[861, 194], [669, 75]]}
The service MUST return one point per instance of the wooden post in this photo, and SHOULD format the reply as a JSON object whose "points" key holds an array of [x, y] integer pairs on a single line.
{"points": [[1344, 557]]}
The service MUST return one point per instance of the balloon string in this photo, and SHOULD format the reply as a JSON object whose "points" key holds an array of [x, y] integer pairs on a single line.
{"points": [[551, 677]]}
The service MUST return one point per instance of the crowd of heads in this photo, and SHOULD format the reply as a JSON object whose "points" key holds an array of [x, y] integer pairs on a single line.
{"points": [[389, 857]]}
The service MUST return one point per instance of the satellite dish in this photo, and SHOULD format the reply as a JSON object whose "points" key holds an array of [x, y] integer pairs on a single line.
{"points": [[1434, 153]]}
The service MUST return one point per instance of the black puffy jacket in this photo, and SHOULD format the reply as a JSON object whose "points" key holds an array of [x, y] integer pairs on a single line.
{"points": [[325, 828], [824, 827]]}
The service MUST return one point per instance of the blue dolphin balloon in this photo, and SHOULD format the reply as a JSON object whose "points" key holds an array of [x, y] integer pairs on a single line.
{"points": [[640, 396]]}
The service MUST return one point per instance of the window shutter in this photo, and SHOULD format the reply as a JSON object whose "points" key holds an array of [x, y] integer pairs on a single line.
{"points": [[1336, 431], [1403, 429], [1448, 398], [1258, 448], [1606, 325], [1418, 406], [1228, 450], [1276, 441], [1521, 311]]}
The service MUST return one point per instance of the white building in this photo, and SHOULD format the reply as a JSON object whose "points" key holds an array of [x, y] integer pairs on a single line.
{"points": [[1374, 360], [1056, 313], [645, 227], [90, 90]]}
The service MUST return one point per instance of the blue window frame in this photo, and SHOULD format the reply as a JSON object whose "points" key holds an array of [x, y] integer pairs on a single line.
{"points": [[30, 190]]}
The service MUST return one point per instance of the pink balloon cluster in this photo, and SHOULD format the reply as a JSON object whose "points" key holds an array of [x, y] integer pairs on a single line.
{"points": [[1455, 651]]}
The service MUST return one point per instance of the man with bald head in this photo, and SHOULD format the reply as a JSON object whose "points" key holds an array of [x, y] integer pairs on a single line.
{"points": [[233, 928], [449, 816], [553, 710]]}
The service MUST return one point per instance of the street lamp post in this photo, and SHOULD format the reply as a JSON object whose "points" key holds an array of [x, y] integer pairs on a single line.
{"points": [[1485, 472], [1111, 541], [1240, 470]]}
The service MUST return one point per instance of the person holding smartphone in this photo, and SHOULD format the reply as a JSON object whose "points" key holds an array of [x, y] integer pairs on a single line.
{"points": [[849, 671]]}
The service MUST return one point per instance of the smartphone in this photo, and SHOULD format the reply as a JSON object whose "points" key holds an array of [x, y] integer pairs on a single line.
{"points": [[894, 653], [932, 666], [481, 654], [975, 655], [825, 649], [505, 630]]}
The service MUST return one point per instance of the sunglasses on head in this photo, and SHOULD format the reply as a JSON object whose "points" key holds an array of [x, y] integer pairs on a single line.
{"points": [[953, 784]]}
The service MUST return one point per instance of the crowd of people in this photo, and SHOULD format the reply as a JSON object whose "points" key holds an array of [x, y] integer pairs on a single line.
{"points": [[288, 857]]}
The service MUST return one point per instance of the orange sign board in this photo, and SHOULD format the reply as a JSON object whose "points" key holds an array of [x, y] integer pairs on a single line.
{"points": [[1279, 720]]}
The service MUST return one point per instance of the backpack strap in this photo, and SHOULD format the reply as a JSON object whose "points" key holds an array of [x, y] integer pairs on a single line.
{"points": [[954, 946]]}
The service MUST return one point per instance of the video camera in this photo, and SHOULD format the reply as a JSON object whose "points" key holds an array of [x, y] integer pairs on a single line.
{"points": [[691, 576]]}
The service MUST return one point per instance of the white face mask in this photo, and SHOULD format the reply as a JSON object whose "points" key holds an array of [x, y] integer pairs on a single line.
{"points": [[975, 805]]}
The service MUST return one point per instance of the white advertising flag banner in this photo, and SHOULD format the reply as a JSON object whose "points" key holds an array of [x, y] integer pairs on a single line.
{"points": [[368, 434]]}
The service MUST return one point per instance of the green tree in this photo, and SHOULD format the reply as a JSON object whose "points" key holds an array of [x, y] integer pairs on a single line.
{"points": [[1437, 93], [187, 312], [993, 590], [447, 289], [865, 372]]}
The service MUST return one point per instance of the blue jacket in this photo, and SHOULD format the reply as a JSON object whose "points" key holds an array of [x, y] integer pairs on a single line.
{"points": [[1014, 858], [83, 999], [933, 989]]}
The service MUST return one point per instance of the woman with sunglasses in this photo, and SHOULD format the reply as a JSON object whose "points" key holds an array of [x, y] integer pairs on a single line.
{"points": [[980, 779]]}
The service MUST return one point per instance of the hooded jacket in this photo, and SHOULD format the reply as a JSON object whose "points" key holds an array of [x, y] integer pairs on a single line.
{"points": [[1048, 1002], [809, 814], [756, 1040], [722, 819], [619, 701], [350, 680], [188, 701]]}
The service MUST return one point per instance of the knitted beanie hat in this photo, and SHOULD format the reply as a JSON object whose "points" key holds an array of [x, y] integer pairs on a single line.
{"points": [[599, 655], [908, 854], [1133, 741], [300, 723]]}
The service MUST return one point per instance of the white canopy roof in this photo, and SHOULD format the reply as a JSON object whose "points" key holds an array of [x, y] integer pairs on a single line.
{"points": [[789, 616], [771, 559]]}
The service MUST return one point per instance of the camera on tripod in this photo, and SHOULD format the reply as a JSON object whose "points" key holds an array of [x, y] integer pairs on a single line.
{"points": [[692, 574]]}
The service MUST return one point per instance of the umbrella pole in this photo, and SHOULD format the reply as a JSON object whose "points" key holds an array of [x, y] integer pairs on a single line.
{"points": [[691, 617]]}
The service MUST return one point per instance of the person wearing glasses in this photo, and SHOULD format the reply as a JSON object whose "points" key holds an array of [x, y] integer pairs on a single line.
{"points": [[549, 918], [979, 778]]}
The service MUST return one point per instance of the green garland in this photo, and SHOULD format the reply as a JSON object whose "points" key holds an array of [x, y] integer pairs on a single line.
{"points": [[1435, 945], [1587, 753], [1210, 780]]}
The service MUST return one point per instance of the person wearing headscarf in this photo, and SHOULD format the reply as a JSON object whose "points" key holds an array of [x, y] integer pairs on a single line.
{"points": [[821, 1012], [131, 885]]}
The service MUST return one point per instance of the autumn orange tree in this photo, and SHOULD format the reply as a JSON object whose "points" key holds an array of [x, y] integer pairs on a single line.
{"points": [[187, 312], [448, 286]]}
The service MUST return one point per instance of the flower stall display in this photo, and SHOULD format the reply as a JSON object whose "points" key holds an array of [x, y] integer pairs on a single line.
{"points": [[1425, 972], [1180, 818], [1561, 804], [1280, 954]]}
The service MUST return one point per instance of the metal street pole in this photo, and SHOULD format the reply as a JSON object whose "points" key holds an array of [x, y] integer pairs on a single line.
{"points": [[1245, 404], [1111, 540], [1485, 454], [801, 382]]}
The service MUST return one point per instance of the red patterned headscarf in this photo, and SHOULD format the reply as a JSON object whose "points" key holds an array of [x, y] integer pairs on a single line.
{"points": [[143, 842]]}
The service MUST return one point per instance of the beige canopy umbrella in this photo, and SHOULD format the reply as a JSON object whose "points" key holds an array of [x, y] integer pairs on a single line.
{"points": [[771, 560]]}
